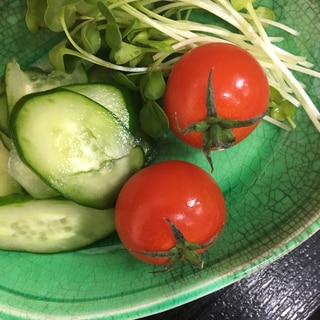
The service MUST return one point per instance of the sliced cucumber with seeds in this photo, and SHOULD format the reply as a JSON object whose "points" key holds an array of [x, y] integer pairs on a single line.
{"points": [[76, 145], [48, 226], [19, 83], [124, 104], [117, 99]]}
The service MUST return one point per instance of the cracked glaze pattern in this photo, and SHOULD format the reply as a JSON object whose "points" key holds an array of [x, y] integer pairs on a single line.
{"points": [[271, 182]]}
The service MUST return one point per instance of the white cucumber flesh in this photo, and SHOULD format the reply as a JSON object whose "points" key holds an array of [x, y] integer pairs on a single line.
{"points": [[8, 185], [28, 179], [118, 100], [19, 83], [76, 145], [50, 226]]}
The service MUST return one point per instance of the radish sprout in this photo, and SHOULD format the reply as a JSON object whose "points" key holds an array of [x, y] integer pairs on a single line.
{"points": [[152, 35]]}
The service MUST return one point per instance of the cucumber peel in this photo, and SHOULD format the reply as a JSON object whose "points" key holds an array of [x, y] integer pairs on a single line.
{"points": [[75, 145]]}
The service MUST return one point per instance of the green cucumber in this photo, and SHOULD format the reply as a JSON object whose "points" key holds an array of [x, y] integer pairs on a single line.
{"points": [[8, 185], [6, 141], [49, 226], [76, 145], [4, 128], [123, 103], [28, 179], [19, 83], [117, 99]]}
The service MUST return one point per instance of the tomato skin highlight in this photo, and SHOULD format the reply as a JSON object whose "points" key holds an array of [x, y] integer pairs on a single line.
{"points": [[176, 190], [240, 87]]}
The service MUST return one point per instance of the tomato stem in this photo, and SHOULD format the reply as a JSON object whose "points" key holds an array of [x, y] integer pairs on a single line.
{"points": [[216, 131], [183, 249]]}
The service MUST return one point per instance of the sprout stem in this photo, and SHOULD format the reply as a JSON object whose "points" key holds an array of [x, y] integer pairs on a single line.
{"points": [[185, 34]]}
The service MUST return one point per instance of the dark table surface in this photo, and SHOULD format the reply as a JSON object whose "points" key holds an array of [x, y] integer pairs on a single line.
{"points": [[288, 289]]}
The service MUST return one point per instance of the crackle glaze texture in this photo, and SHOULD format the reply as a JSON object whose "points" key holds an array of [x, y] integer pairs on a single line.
{"points": [[287, 289], [271, 182]]}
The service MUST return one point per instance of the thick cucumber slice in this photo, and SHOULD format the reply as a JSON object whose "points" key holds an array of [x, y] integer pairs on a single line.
{"points": [[118, 100], [19, 83], [28, 179], [8, 185], [48, 226], [79, 147]]}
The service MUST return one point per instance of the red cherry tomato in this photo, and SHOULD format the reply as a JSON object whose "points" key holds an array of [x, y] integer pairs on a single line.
{"points": [[239, 91], [170, 211]]}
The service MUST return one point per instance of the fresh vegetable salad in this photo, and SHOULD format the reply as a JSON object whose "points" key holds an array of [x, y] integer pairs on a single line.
{"points": [[79, 133]]}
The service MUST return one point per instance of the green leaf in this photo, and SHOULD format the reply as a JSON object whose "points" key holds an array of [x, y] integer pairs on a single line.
{"points": [[284, 111], [152, 85], [35, 15], [126, 53], [153, 119], [87, 8], [162, 46], [123, 80], [52, 14], [113, 35], [266, 13], [56, 55], [275, 96], [240, 4], [90, 37], [134, 27], [139, 37]]}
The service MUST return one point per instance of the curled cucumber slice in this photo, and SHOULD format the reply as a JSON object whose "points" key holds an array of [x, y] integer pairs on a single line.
{"points": [[74, 144]]}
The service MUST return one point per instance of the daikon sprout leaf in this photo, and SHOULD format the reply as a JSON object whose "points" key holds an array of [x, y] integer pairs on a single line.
{"points": [[140, 36]]}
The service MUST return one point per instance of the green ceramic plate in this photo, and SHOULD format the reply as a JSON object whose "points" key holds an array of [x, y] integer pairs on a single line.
{"points": [[271, 182]]}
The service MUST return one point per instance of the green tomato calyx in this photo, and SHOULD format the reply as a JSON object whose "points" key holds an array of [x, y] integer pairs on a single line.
{"points": [[183, 249], [216, 131]]}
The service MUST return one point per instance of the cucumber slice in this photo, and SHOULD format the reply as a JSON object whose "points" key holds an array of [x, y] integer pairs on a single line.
{"points": [[76, 145], [19, 83], [28, 179], [8, 185], [118, 100], [7, 142], [4, 128], [48, 226]]}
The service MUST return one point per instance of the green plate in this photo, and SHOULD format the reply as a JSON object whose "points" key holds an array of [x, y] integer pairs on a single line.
{"points": [[271, 182]]}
